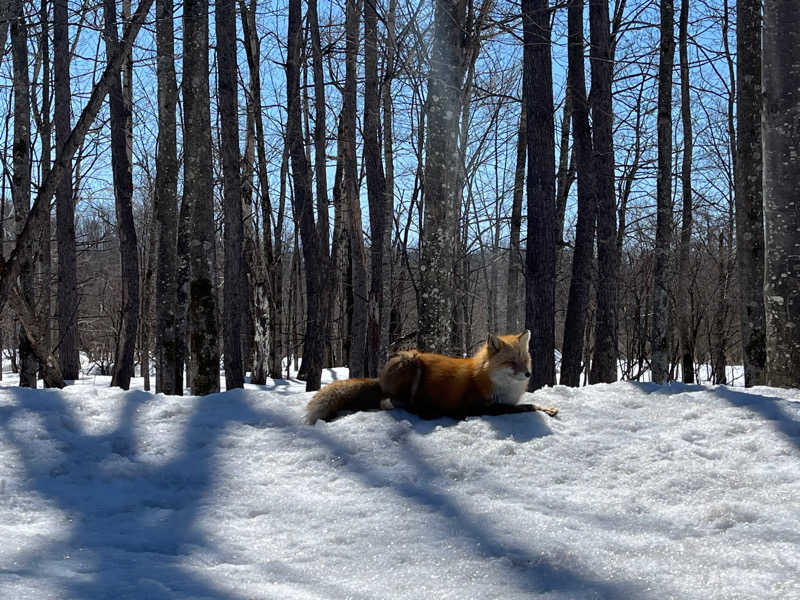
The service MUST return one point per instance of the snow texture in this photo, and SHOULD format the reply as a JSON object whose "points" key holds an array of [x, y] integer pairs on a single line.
{"points": [[635, 491]]}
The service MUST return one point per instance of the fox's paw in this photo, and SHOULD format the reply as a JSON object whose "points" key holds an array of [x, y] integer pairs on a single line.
{"points": [[552, 412]]}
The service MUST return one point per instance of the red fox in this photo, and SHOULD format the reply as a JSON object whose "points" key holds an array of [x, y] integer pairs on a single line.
{"points": [[432, 385]]}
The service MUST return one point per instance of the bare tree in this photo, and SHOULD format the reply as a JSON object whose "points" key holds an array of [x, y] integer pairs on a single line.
{"points": [[604, 363], [442, 191], [749, 194], [313, 346], [514, 250], [359, 321], [123, 200], [684, 312], [781, 77], [21, 189], [233, 302], [168, 370], [660, 324], [540, 257], [376, 193], [575, 323], [203, 325]]}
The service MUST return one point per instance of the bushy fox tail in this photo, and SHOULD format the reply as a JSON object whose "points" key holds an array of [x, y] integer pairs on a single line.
{"points": [[348, 394]]}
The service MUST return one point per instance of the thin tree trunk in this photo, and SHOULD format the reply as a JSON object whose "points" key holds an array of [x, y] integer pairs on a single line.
{"points": [[198, 187], [540, 254], [45, 133], [359, 320], [376, 191], [234, 301], [604, 362], [684, 308], [749, 193], [580, 285], [21, 179], [388, 215], [123, 197], [67, 295], [314, 343], [781, 77], [169, 377], [660, 346], [514, 250]]}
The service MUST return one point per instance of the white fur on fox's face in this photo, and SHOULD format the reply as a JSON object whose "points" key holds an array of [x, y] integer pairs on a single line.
{"points": [[508, 384]]}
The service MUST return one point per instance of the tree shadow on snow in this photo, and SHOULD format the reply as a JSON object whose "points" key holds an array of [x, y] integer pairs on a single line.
{"points": [[521, 428], [784, 415], [525, 570], [116, 548]]}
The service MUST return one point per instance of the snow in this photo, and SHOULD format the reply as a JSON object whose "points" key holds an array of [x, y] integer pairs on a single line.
{"points": [[635, 491]]}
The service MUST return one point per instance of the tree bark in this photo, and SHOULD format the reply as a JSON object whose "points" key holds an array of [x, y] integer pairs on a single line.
{"points": [[46, 134], [749, 192], [67, 295], [314, 343], [583, 255], [684, 308], [358, 261], [233, 301], [168, 371], [123, 201], [21, 179], [781, 143], [202, 317], [515, 270], [604, 362], [659, 338], [376, 192], [442, 193], [540, 256]]}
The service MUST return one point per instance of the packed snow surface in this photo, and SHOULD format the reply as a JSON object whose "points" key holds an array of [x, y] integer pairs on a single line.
{"points": [[634, 491]]}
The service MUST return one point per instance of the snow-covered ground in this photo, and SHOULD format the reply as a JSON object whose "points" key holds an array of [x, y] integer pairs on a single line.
{"points": [[635, 491]]}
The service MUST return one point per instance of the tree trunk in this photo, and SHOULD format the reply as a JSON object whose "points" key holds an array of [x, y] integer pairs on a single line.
{"points": [[583, 255], [198, 187], [441, 184], [749, 193], [45, 133], [123, 201], [514, 250], [376, 192], [183, 358], [540, 257], [684, 308], [314, 342], [234, 301], [67, 295], [388, 215], [168, 370], [604, 363], [660, 346], [358, 261], [781, 143], [21, 179]]}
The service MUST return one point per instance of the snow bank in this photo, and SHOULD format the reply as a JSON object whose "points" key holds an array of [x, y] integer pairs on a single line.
{"points": [[635, 491]]}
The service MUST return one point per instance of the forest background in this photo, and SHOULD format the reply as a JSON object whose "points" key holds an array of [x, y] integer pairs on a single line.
{"points": [[240, 183]]}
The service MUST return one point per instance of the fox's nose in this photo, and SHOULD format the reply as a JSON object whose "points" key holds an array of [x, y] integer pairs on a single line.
{"points": [[527, 373]]}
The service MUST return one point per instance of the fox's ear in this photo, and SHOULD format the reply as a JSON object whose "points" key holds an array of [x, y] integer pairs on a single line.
{"points": [[524, 338], [494, 343]]}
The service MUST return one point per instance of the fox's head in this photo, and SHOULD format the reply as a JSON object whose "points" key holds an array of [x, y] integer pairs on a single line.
{"points": [[509, 363]]}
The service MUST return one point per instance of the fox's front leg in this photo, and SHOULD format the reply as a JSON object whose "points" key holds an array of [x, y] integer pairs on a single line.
{"points": [[510, 409]]}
